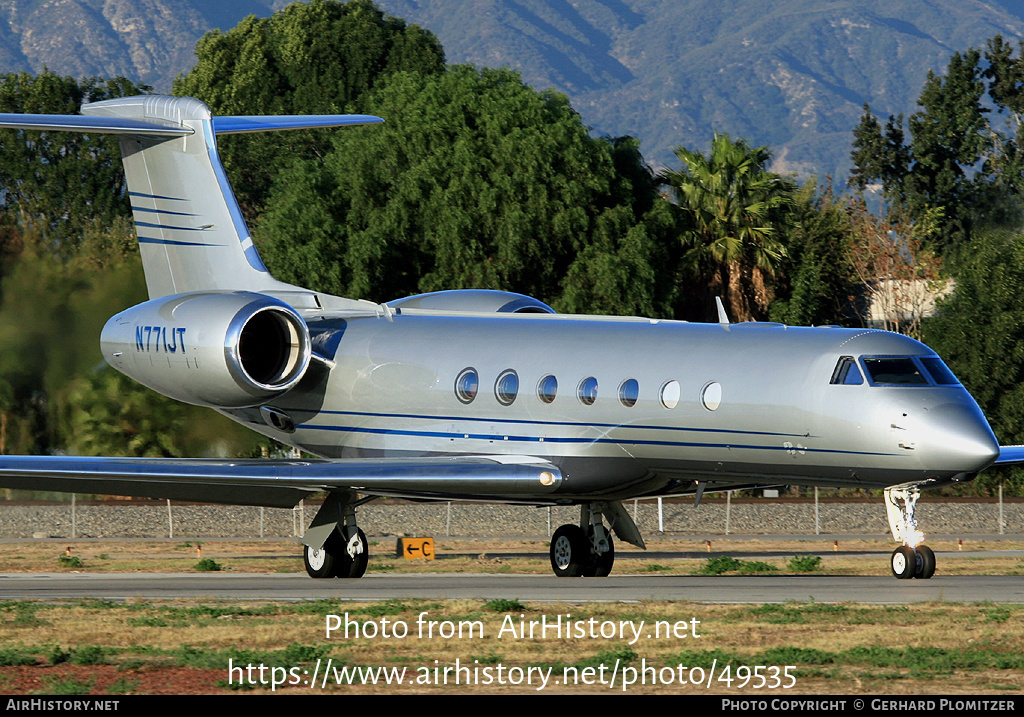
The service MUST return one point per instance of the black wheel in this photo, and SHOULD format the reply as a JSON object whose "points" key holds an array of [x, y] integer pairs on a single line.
{"points": [[321, 562], [570, 551], [903, 562], [353, 556], [924, 565], [600, 564]]}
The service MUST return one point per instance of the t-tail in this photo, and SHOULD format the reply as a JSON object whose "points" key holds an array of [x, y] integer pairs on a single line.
{"points": [[192, 235]]}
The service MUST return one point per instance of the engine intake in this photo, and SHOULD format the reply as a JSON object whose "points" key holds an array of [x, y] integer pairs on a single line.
{"points": [[272, 348], [212, 349]]}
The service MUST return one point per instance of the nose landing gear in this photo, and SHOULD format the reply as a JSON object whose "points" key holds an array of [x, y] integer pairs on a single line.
{"points": [[908, 562], [912, 559]]}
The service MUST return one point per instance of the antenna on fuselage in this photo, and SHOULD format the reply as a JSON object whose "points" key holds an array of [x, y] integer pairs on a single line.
{"points": [[700, 486], [723, 318]]}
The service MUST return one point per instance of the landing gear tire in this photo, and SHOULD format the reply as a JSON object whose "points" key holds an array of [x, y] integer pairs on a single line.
{"points": [[338, 558], [903, 562], [320, 562], [600, 564], [924, 565], [353, 556], [570, 552]]}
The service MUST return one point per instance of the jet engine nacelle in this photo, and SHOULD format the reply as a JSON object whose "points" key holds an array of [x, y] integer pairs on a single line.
{"points": [[227, 350]]}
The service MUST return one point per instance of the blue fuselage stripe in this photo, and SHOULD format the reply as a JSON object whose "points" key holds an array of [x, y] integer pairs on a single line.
{"points": [[549, 439], [567, 424]]}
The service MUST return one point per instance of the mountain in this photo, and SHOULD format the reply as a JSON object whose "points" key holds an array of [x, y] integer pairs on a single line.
{"points": [[791, 74]]}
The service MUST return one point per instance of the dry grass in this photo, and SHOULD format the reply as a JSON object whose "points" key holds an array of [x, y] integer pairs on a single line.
{"points": [[937, 648], [833, 649]]}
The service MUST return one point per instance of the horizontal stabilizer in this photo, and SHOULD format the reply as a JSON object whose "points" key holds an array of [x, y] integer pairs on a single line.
{"points": [[238, 125], [1010, 455], [221, 125], [97, 125], [282, 483]]}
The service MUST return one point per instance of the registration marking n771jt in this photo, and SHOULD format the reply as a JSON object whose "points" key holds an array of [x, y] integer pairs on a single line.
{"points": [[155, 338]]}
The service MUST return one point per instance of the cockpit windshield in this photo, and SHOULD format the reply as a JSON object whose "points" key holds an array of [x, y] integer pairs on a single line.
{"points": [[847, 373], [940, 373], [895, 371]]}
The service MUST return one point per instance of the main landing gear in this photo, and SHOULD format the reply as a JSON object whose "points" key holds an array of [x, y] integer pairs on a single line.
{"points": [[339, 557], [912, 559], [589, 552], [334, 546], [575, 554]]}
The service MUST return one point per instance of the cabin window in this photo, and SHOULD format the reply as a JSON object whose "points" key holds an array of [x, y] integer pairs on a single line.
{"points": [[587, 391], [894, 371], [670, 394], [847, 373], [711, 396], [466, 385], [629, 391], [547, 387], [939, 372], [506, 388]]}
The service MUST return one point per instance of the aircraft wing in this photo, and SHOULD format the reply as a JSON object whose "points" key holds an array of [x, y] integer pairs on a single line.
{"points": [[1009, 455], [282, 483]]}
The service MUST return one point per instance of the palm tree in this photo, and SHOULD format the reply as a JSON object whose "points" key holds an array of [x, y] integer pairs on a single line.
{"points": [[734, 213]]}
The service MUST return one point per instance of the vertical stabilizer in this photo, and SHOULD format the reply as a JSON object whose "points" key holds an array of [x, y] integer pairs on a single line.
{"points": [[191, 232]]}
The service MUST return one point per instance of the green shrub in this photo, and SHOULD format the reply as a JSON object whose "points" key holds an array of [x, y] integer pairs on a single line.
{"points": [[719, 564], [805, 563]]}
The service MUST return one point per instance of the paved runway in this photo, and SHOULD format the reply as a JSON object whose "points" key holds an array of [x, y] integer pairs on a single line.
{"points": [[539, 588]]}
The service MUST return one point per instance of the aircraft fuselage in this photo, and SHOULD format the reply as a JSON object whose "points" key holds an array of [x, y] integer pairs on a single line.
{"points": [[629, 407]]}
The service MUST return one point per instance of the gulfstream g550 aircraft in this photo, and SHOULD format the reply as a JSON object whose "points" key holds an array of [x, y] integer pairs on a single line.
{"points": [[483, 395]]}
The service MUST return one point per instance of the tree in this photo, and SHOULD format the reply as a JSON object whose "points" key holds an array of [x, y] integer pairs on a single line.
{"points": [[56, 391], [106, 414], [979, 332], [319, 57], [815, 283], [899, 274], [68, 302], [962, 155], [880, 155], [57, 183], [474, 181], [1005, 163], [734, 213], [627, 270]]}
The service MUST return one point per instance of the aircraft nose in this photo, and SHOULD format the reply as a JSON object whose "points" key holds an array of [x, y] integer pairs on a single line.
{"points": [[959, 438]]}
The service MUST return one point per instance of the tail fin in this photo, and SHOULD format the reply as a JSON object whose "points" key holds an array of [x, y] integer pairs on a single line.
{"points": [[192, 236]]}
